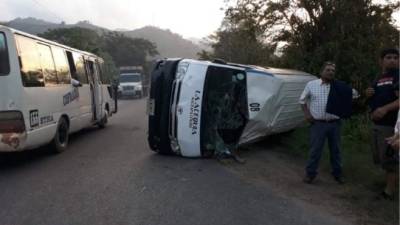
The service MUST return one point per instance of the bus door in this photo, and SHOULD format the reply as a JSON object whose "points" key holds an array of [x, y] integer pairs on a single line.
{"points": [[98, 91], [79, 73], [99, 84], [94, 89]]}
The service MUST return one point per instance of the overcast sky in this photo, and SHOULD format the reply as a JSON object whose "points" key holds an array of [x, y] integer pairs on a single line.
{"points": [[190, 18]]}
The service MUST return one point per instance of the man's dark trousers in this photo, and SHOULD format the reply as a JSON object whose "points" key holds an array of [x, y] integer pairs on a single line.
{"points": [[321, 130]]}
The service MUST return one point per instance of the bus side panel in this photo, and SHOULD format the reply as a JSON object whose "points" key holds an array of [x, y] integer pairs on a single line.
{"points": [[85, 106], [262, 91], [43, 108]]}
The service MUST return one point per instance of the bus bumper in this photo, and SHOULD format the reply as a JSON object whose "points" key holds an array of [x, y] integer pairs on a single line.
{"points": [[11, 142]]}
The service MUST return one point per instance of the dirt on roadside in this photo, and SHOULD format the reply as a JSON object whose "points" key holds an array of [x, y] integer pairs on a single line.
{"points": [[283, 173]]}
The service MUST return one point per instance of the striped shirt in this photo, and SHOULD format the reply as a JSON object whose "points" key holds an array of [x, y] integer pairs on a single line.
{"points": [[315, 95]]}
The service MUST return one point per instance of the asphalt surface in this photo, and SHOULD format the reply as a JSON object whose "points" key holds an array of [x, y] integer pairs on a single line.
{"points": [[109, 176]]}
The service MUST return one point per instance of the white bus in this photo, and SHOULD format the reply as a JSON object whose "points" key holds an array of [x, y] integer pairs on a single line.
{"points": [[187, 98], [47, 91]]}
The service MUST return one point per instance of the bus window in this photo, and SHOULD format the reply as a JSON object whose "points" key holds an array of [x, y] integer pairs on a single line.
{"points": [[80, 68], [90, 71], [99, 70], [31, 71], [48, 68], [62, 66], [4, 61]]}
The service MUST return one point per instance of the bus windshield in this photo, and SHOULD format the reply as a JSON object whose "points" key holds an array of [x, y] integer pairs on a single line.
{"points": [[129, 78], [4, 61], [224, 111]]}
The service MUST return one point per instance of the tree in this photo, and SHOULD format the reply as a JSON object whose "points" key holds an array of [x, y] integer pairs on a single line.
{"points": [[236, 45], [240, 41], [115, 48], [85, 40], [76, 37], [351, 33], [129, 51]]}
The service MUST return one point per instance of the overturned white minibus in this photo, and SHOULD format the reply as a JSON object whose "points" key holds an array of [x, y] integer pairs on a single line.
{"points": [[186, 94], [47, 91]]}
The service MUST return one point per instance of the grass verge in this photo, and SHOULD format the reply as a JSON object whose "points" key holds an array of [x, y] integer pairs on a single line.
{"points": [[364, 179]]}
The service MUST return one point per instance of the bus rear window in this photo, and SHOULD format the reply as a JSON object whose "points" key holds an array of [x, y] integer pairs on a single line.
{"points": [[31, 70], [4, 60]]}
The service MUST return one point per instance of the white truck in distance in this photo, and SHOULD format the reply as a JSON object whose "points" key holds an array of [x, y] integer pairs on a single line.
{"points": [[130, 82], [130, 85]]}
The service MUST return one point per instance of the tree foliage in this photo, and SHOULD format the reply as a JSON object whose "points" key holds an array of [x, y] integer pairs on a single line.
{"points": [[128, 51], [240, 41], [309, 32], [235, 45], [115, 48]]}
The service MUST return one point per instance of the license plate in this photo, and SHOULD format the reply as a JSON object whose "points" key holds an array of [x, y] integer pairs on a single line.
{"points": [[150, 106]]}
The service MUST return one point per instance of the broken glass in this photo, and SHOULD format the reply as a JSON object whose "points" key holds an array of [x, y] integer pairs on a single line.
{"points": [[225, 112]]}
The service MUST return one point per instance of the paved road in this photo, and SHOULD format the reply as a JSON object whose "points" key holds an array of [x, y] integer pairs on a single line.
{"points": [[111, 177]]}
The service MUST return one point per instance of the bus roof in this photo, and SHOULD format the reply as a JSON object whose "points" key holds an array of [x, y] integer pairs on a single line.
{"points": [[15, 31], [263, 70], [130, 74], [271, 70]]}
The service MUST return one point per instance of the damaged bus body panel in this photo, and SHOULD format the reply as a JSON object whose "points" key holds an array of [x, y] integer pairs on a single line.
{"points": [[273, 102], [198, 108]]}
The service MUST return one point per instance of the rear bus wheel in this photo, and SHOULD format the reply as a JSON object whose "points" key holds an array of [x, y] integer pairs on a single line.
{"points": [[60, 140], [103, 122]]}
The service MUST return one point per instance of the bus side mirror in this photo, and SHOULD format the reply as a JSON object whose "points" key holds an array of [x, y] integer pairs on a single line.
{"points": [[76, 83]]}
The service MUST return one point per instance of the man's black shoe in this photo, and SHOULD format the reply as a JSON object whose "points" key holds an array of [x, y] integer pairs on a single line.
{"points": [[308, 179], [387, 196], [238, 159], [339, 180]]}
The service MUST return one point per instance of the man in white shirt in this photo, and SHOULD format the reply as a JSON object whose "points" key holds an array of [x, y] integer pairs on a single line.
{"points": [[323, 125]]}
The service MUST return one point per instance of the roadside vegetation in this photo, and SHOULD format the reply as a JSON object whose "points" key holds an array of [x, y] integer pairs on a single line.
{"points": [[364, 180], [115, 48], [303, 35]]}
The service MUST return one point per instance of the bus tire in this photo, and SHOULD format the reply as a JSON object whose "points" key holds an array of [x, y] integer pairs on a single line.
{"points": [[60, 140], [103, 122]]}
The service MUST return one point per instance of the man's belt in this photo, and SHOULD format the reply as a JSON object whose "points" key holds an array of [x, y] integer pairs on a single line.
{"points": [[327, 121]]}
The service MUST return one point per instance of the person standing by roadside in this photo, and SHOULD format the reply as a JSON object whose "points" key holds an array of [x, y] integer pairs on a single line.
{"points": [[391, 163], [314, 102], [383, 101]]}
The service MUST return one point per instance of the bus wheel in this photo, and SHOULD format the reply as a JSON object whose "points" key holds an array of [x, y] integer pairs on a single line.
{"points": [[60, 141], [103, 122]]}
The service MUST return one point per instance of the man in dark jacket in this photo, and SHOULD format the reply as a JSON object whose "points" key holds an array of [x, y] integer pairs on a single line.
{"points": [[383, 101]]}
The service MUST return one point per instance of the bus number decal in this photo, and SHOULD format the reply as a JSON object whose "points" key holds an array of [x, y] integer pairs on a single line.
{"points": [[46, 119], [34, 118]]}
